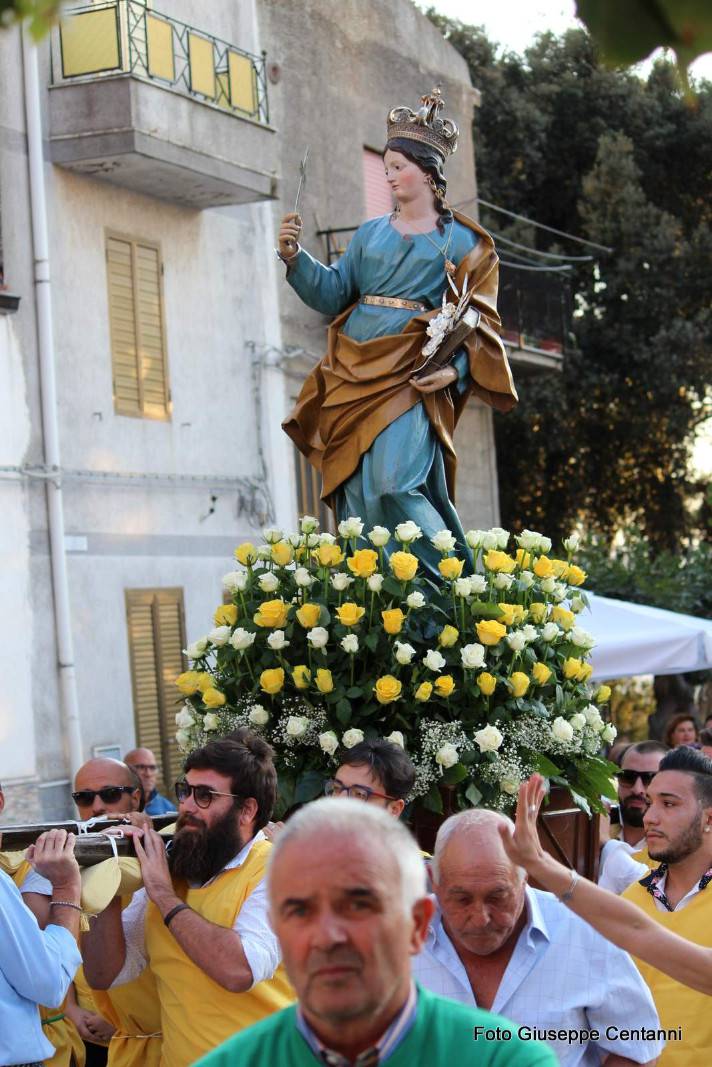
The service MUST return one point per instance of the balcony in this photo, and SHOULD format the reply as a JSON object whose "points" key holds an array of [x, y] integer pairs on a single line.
{"points": [[143, 101]]}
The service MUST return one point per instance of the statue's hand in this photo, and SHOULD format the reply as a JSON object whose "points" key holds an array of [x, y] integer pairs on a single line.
{"points": [[439, 379], [289, 230]]}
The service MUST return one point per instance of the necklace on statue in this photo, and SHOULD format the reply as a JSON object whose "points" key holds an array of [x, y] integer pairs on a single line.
{"points": [[450, 267]]}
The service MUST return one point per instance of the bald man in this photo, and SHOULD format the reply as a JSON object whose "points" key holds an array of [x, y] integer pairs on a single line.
{"points": [[497, 944], [106, 787], [143, 761]]}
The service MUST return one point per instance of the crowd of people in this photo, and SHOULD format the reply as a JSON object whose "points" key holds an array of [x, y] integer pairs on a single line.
{"points": [[332, 939]]}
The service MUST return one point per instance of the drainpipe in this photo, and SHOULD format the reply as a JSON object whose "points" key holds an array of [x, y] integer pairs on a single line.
{"points": [[48, 389]]}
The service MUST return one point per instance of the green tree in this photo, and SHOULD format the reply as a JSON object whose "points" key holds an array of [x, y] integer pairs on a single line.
{"points": [[40, 13]]}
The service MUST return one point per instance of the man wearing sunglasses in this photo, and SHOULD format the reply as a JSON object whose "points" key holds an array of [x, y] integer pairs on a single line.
{"points": [[200, 924], [106, 787], [143, 761], [639, 765]]}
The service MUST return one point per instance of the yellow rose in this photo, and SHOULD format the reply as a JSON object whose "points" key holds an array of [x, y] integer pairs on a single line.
{"points": [[563, 616], [272, 681], [575, 575], [424, 691], [541, 673], [324, 681], [329, 555], [282, 553], [524, 559], [560, 567], [393, 620], [205, 680], [511, 614], [487, 683], [213, 698], [538, 611], [451, 567], [573, 668], [350, 614], [225, 615], [543, 568], [273, 614], [490, 632], [603, 694], [387, 689], [309, 615], [404, 565], [448, 636], [188, 682], [246, 553], [495, 560], [301, 676], [445, 685], [518, 683], [585, 672], [363, 563]]}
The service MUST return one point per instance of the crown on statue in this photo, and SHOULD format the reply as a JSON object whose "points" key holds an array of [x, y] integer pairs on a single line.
{"points": [[425, 124]]}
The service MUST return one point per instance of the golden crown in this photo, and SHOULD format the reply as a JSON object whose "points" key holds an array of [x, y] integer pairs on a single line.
{"points": [[425, 124]]}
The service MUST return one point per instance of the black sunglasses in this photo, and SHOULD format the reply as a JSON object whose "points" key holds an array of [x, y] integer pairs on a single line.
{"points": [[202, 794], [631, 777], [109, 794]]}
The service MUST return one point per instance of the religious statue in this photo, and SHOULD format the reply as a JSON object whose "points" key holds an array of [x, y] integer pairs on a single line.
{"points": [[380, 433]]}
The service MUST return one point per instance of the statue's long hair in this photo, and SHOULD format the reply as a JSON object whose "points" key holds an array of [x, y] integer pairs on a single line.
{"points": [[431, 163]]}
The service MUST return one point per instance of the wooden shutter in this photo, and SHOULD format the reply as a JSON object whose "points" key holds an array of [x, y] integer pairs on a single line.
{"points": [[377, 192], [156, 631], [138, 351], [309, 500]]}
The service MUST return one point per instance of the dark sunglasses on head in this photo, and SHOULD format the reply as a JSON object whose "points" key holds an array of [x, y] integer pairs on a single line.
{"points": [[631, 777], [202, 794], [109, 794]]}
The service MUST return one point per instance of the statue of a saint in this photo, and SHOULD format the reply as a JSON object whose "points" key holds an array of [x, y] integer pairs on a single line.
{"points": [[381, 438]]}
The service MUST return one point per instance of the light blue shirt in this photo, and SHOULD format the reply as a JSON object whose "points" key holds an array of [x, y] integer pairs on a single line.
{"points": [[561, 975], [36, 967]]}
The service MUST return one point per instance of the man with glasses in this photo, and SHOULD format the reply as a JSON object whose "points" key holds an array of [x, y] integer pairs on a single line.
{"points": [[143, 762], [378, 772], [639, 765], [200, 924], [106, 787]]}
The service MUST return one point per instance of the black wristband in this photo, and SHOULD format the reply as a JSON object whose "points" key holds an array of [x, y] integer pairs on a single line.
{"points": [[170, 915]]}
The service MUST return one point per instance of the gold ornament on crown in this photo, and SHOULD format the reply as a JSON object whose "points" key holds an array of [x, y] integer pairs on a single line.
{"points": [[425, 124]]}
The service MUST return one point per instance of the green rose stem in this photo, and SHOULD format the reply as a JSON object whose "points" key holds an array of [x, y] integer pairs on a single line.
{"points": [[352, 657], [249, 667], [462, 614]]}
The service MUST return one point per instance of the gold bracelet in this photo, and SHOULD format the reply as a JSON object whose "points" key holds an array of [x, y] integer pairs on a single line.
{"points": [[64, 904], [566, 897]]}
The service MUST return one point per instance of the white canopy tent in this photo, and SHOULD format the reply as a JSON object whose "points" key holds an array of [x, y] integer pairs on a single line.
{"points": [[635, 639]]}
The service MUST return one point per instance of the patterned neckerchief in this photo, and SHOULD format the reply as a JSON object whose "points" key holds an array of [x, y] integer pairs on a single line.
{"points": [[652, 880]]}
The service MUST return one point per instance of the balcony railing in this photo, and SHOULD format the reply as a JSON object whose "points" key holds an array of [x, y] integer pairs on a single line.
{"points": [[124, 36]]}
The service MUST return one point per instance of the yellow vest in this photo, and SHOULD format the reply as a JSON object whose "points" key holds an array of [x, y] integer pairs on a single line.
{"points": [[196, 1012], [677, 1005]]}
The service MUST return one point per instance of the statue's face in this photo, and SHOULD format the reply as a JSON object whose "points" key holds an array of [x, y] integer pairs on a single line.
{"points": [[405, 178]]}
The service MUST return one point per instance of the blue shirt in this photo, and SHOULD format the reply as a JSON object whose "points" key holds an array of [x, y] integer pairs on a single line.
{"points": [[36, 967], [158, 804], [385, 1046]]}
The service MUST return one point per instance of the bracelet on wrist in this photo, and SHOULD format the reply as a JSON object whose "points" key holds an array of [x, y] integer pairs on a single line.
{"points": [[567, 895], [64, 904], [170, 915]]}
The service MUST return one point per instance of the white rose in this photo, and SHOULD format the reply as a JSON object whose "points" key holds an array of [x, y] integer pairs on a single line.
{"points": [[182, 738], [572, 542], [341, 581], [272, 535], [308, 524], [433, 660], [396, 738], [406, 532], [475, 538], [352, 737], [503, 581], [461, 587], [277, 640], [198, 649], [609, 733], [329, 742], [297, 725], [374, 582], [559, 591], [489, 541], [544, 544], [258, 716], [379, 536], [478, 583], [527, 579], [489, 739], [548, 585], [582, 638], [578, 721], [326, 538], [318, 637], [501, 535], [516, 640], [530, 632], [349, 643], [210, 721], [219, 636], [404, 652], [529, 540], [447, 756], [415, 600], [593, 717], [510, 786], [444, 541], [472, 656], [562, 730], [314, 539], [351, 527], [235, 581], [268, 582], [303, 578], [550, 631], [242, 639], [295, 540], [185, 719], [577, 604]]}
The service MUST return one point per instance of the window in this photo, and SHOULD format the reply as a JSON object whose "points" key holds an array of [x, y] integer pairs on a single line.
{"points": [[156, 631], [138, 351], [377, 191], [309, 500]]}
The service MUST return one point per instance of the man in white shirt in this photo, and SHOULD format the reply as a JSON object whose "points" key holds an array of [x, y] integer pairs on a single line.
{"points": [[517, 951], [639, 766]]}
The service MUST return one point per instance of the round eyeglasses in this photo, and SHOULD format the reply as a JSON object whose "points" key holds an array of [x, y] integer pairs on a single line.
{"points": [[334, 788], [202, 794]]}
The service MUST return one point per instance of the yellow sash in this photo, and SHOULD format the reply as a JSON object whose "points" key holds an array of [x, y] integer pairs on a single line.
{"points": [[196, 1012]]}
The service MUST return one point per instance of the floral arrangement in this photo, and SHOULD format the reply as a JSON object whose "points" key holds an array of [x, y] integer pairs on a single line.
{"points": [[482, 677]]}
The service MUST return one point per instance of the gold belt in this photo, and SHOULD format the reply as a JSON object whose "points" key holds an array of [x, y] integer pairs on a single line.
{"points": [[393, 302]]}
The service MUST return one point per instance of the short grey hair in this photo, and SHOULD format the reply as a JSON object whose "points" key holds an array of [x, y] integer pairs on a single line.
{"points": [[475, 822], [353, 818]]}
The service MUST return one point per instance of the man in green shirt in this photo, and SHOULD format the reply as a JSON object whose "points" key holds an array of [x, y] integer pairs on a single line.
{"points": [[349, 904]]}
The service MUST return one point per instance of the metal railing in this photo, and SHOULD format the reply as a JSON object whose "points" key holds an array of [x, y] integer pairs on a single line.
{"points": [[125, 36]]}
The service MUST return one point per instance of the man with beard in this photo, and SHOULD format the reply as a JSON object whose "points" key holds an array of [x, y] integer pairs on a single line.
{"points": [[678, 832], [619, 868], [200, 924]]}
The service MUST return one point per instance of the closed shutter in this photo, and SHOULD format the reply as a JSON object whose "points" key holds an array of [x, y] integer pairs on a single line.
{"points": [[156, 632], [377, 192], [138, 350], [309, 500]]}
